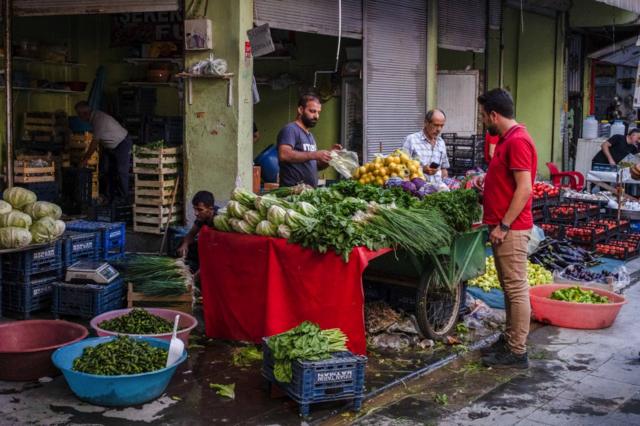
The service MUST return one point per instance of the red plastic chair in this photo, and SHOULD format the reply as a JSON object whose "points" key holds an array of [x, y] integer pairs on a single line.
{"points": [[574, 180]]}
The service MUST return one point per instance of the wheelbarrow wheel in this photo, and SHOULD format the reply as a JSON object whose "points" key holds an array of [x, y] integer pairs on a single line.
{"points": [[437, 306]]}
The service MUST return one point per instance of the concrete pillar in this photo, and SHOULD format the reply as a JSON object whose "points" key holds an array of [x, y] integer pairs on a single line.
{"points": [[218, 137], [432, 53]]}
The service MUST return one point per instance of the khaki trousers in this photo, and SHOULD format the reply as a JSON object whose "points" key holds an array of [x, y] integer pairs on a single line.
{"points": [[511, 265]]}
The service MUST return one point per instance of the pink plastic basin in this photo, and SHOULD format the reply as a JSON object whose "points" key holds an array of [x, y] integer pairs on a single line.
{"points": [[186, 324], [26, 347], [574, 315]]}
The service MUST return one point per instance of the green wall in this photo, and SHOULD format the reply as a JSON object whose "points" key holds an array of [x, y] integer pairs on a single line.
{"points": [[590, 13], [278, 107], [456, 60]]}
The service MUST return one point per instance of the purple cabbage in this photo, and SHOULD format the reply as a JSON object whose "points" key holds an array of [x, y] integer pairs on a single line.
{"points": [[418, 182], [408, 186], [393, 182]]}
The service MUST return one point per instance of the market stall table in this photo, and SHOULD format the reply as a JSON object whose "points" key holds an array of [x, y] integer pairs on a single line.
{"points": [[255, 286]]}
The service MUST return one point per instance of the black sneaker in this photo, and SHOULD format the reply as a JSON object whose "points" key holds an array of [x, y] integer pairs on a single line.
{"points": [[506, 360], [499, 346]]}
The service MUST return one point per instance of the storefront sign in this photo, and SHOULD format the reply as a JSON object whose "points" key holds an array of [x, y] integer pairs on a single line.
{"points": [[261, 42], [148, 27]]}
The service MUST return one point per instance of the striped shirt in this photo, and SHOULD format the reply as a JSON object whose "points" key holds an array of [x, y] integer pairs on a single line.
{"points": [[418, 146]]}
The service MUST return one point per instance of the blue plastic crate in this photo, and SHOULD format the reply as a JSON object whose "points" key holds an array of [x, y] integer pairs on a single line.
{"points": [[339, 378], [87, 300], [112, 236], [21, 300], [26, 263], [80, 246]]}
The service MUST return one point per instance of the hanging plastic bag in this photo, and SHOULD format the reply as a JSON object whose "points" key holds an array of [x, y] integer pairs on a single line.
{"points": [[537, 235], [345, 162]]}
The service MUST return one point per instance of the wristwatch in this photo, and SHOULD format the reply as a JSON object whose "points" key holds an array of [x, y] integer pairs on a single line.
{"points": [[503, 227]]}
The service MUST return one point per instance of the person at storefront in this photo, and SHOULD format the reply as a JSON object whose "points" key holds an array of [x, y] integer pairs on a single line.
{"points": [[204, 209], [614, 149], [507, 197], [116, 150], [298, 154], [429, 148]]}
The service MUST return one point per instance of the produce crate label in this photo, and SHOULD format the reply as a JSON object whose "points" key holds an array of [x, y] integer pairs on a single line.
{"points": [[42, 290], [43, 254], [334, 376], [114, 234], [83, 246]]}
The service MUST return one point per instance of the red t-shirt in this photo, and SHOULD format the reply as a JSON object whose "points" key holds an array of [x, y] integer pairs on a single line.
{"points": [[488, 141], [515, 151]]}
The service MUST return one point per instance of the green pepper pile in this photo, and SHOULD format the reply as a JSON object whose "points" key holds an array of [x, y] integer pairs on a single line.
{"points": [[578, 295], [121, 356], [306, 342], [137, 321]]}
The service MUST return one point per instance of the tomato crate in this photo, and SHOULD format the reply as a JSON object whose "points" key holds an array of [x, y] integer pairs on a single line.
{"points": [[553, 230], [572, 213], [340, 377], [80, 246], [616, 250], [112, 236], [538, 214], [20, 300], [615, 228], [34, 261], [586, 234], [87, 300]]}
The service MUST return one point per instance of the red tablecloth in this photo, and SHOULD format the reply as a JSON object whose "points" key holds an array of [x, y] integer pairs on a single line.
{"points": [[255, 286]]}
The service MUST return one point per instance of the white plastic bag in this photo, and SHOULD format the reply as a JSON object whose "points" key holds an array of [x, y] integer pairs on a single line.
{"points": [[537, 235], [345, 162]]}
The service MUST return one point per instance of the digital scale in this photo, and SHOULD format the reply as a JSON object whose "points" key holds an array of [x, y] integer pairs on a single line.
{"points": [[86, 271]]}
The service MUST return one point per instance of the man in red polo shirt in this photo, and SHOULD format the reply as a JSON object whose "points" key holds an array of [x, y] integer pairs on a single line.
{"points": [[507, 200]]}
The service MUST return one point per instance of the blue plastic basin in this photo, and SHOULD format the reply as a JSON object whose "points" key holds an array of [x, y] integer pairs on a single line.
{"points": [[268, 162], [113, 391]]}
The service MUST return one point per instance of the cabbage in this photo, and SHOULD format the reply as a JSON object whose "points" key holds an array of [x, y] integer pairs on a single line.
{"points": [[276, 215], [15, 218], [242, 227], [233, 223], [244, 197], [5, 207], [221, 223], [60, 227], [45, 230], [12, 237], [306, 208], [252, 217], [41, 209], [295, 220], [267, 229], [236, 209], [263, 204], [284, 231], [19, 197]]}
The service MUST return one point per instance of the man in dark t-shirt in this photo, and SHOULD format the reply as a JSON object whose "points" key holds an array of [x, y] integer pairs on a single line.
{"points": [[617, 147], [204, 209], [298, 154]]}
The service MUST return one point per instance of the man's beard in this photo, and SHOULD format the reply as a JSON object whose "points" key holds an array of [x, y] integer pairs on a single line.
{"points": [[493, 130], [308, 122]]}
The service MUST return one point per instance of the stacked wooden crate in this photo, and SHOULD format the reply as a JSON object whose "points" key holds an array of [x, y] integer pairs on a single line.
{"points": [[32, 169], [78, 146], [156, 173]]}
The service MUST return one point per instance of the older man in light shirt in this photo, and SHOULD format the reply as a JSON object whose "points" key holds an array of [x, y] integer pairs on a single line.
{"points": [[116, 150], [428, 147]]}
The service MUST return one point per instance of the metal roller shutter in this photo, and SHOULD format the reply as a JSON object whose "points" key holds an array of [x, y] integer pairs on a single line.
{"points": [[395, 52], [461, 24], [81, 7], [310, 16]]}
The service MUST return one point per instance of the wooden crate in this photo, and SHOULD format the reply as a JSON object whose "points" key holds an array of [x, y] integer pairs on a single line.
{"points": [[164, 161], [23, 172], [39, 126], [154, 219], [77, 141], [155, 192], [182, 303]]}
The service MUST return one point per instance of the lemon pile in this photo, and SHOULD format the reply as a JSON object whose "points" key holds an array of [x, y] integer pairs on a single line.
{"points": [[398, 165], [536, 275]]}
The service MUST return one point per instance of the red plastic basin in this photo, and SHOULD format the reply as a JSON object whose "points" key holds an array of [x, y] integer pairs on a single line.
{"points": [[185, 325], [574, 315], [26, 347]]}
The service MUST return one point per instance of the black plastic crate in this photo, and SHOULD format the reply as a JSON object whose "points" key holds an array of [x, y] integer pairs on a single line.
{"points": [[76, 189], [80, 246], [112, 236], [45, 191], [136, 101], [87, 300], [112, 213], [587, 235], [27, 263], [21, 300], [340, 377], [135, 125]]}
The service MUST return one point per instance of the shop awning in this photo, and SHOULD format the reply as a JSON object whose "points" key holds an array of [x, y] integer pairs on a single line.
{"points": [[630, 5], [626, 52], [82, 7]]}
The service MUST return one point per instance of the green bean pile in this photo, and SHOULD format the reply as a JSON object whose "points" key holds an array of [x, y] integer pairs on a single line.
{"points": [[121, 356], [137, 321]]}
